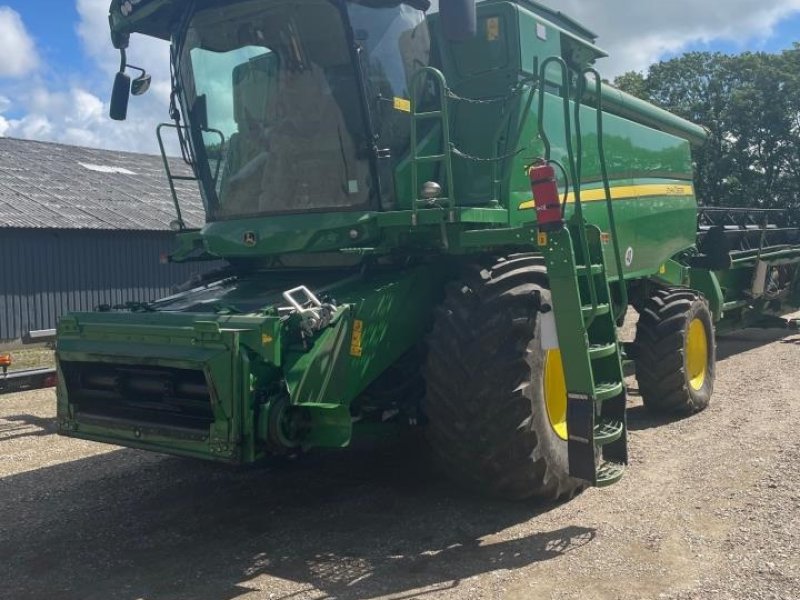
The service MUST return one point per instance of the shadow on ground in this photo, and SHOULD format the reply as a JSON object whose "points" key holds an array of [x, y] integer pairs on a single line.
{"points": [[19, 426], [358, 524], [730, 344]]}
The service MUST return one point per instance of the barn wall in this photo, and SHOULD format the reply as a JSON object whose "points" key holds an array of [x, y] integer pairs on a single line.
{"points": [[47, 273]]}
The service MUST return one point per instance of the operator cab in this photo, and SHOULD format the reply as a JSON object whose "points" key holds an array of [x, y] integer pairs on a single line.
{"points": [[297, 101], [291, 107]]}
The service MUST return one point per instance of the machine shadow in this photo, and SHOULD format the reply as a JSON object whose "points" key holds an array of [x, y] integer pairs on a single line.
{"points": [[639, 418], [352, 525], [730, 344], [25, 425]]}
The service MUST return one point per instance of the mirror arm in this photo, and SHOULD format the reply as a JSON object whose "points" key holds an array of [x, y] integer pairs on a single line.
{"points": [[141, 70]]}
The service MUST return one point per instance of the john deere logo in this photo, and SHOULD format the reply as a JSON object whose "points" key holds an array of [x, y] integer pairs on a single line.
{"points": [[250, 239]]}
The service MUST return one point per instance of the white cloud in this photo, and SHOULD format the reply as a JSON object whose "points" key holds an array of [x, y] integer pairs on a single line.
{"points": [[16, 46], [76, 112], [5, 104], [150, 53], [639, 33]]}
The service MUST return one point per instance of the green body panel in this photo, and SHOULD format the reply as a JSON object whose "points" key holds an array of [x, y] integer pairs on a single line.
{"points": [[244, 357], [707, 283]]}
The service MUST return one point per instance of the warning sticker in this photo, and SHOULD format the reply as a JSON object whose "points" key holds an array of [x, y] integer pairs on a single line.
{"points": [[402, 104], [355, 339]]}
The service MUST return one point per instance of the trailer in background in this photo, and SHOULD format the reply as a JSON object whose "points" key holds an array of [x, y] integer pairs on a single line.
{"points": [[25, 380]]}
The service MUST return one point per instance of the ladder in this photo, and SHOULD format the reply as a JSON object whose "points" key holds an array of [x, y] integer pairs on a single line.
{"points": [[575, 254], [444, 158], [587, 337]]}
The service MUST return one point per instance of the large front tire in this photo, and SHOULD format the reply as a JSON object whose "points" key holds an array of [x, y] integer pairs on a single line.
{"points": [[495, 401], [675, 352]]}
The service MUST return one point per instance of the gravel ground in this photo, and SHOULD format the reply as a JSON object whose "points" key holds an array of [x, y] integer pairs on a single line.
{"points": [[710, 509]]}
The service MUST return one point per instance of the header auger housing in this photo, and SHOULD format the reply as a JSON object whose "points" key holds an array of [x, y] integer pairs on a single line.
{"points": [[432, 220]]}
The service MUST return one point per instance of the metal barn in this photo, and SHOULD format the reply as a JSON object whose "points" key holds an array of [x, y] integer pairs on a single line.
{"points": [[80, 228]]}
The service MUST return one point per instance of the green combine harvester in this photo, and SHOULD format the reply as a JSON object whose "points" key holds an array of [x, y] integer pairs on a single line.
{"points": [[430, 219]]}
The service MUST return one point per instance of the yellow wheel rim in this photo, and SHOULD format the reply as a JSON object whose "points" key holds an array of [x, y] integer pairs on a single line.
{"points": [[696, 354], [555, 392]]}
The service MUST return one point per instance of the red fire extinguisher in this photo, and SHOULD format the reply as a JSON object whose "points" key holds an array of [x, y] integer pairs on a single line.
{"points": [[545, 196]]}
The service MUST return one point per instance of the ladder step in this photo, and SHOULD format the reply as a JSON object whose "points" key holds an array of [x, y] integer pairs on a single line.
{"points": [[608, 473], [602, 309], [431, 158], [597, 351], [583, 270], [428, 115], [608, 431], [606, 391]]}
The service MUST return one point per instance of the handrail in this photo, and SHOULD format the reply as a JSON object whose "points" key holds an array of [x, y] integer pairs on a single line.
{"points": [[445, 157], [601, 153], [168, 171], [574, 165], [171, 178]]}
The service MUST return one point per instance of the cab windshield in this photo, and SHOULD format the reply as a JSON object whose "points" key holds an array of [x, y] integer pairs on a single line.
{"points": [[274, 108]]}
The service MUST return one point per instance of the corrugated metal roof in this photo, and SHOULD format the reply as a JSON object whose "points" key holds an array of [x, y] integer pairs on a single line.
{"points": [[54, 186]]}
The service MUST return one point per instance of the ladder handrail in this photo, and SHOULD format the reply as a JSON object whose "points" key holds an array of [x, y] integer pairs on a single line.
{"points": [[416, 81], [168, 171], [574, 166], [577, 214], [601, 152]]}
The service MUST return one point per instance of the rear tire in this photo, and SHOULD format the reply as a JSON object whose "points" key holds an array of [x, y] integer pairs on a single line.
{"points": [[488, 420], [675, 352]]}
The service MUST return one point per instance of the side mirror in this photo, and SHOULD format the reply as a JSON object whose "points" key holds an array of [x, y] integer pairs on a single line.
{"points": [[141, 84], [120, 95], [459, 22]]}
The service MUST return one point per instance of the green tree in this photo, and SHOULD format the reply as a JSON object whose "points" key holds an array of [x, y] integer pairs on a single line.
{"points": [[751, 105]]}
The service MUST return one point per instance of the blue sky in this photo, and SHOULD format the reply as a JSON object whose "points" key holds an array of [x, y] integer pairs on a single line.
{"points": [[786, 32], [53, 24], [58, 63]]}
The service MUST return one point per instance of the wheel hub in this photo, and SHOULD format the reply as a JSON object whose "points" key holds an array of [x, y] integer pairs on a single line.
{"points": [[696, 354]]}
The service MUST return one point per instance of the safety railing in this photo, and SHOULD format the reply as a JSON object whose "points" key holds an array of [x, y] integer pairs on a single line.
{"points": [[445, 96]]}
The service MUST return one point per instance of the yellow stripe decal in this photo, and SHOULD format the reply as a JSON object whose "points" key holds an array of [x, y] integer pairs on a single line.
{"points": [[625, 192]]}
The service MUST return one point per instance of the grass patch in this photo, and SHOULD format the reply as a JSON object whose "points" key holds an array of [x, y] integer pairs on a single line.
{"points": [[31, 358]]}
